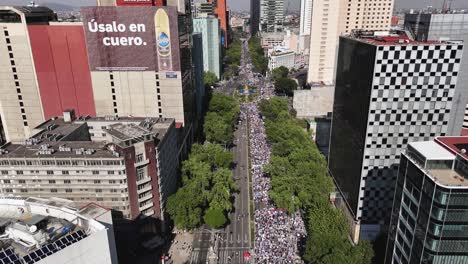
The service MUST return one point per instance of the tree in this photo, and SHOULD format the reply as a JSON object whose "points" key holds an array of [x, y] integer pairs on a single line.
{"points": [[217, 129], [215, 218], [285, 86], [209, 78], [280, 72]]}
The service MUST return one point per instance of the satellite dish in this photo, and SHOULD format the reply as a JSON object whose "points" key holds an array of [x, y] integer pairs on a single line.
{"points": [[463, 151], [32, 228]]}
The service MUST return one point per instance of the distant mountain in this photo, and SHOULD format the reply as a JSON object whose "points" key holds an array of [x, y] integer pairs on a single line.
{"points": [[60, 7], [53, 4]]}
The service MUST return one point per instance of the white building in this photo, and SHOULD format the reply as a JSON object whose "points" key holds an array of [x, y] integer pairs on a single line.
{"points": [[52, 231], [306, 17], [278, 57]]}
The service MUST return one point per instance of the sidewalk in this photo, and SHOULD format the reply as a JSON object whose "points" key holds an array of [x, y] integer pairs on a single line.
{"points": [[181, 248]]}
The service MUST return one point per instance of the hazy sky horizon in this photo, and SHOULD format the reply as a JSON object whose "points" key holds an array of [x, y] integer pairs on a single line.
{"points": [[244, 5]]}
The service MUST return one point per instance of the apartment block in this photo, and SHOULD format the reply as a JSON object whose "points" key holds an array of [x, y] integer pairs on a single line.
{"points": [[127, 164], [330, 19], [429, 215], [390, 90], [271, 15]]}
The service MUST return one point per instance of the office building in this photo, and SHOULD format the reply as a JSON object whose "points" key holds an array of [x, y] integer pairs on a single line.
{"points": [[47, 67], [429, 220], [402, 93], [197, 57], [221, 12], [201, 9], [211, 34], [50, 231], [271, 15], [306, 17], [431, 26], [254, 17], [127, 164], [331, 18]]}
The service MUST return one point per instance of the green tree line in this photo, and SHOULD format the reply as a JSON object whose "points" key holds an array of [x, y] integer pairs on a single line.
{"points": [[207, 179], [300, 181], [220, 119], [259, 61]]}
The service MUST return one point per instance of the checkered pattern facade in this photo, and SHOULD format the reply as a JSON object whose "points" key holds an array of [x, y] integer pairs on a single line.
{"points": [[412, 92]]}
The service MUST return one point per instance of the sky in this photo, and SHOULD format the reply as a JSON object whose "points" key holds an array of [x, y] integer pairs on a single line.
{"points": [[238, 5]]}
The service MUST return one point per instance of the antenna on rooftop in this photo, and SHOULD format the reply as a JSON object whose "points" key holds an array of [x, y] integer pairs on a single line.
{"points": [[33, 4]]}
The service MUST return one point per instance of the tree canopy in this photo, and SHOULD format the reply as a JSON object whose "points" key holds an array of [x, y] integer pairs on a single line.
{"points": [[221, 119], [259, 61], [285, 86], [299, 181], [208, 184], [209, 78], [280, 72], [215, 218]]}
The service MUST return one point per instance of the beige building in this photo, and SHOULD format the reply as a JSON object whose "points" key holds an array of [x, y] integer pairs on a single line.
{"points": [[330, 19], [20, 103], [127, 164]]}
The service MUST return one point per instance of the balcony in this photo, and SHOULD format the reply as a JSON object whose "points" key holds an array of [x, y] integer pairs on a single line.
{"points": [[142, 163], [148, 188], [147, 196], [146, 206], [144, 180]]}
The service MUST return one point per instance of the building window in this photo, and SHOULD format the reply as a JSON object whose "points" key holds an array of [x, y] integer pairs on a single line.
{"points": [[99, 190], [6, 181], [49, 172], [139, 158], [68, 190], [140, 173], [53, 190], [66, 181], [65, 172], [52, 181], [97, 181], [22, 181], [95, 172], [19, 172]]}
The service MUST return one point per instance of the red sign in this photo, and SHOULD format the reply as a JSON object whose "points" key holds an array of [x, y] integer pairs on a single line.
{"points": [[134, 2], [135, 38]]}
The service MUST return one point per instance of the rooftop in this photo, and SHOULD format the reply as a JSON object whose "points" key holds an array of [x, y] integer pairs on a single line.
{"points": [[439, 158], [34, 228], [62, 138], [432, 151], [386, 38], [456, 145]]}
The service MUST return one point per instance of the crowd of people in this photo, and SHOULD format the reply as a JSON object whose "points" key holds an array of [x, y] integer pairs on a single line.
{"points": [[277, 233]]}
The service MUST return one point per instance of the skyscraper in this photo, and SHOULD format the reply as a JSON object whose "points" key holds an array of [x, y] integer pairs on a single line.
{"points": [[254, 16], [429, 217], [306, 17], [210, 30], [220, 10], [389, 91], [271, 15], [330, 18], [431, 26]]}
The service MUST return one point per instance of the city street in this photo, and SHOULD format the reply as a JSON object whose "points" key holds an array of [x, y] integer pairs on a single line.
{"points": [[232, 241]]}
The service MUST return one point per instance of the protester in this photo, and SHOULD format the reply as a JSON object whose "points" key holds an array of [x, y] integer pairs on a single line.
{"points": [[277, 234]]}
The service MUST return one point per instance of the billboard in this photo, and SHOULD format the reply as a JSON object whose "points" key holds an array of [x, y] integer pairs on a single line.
{"points": [[137, 38]]}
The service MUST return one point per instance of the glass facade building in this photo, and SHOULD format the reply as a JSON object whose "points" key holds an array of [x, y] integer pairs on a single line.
{"points": [[429, 222]]}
